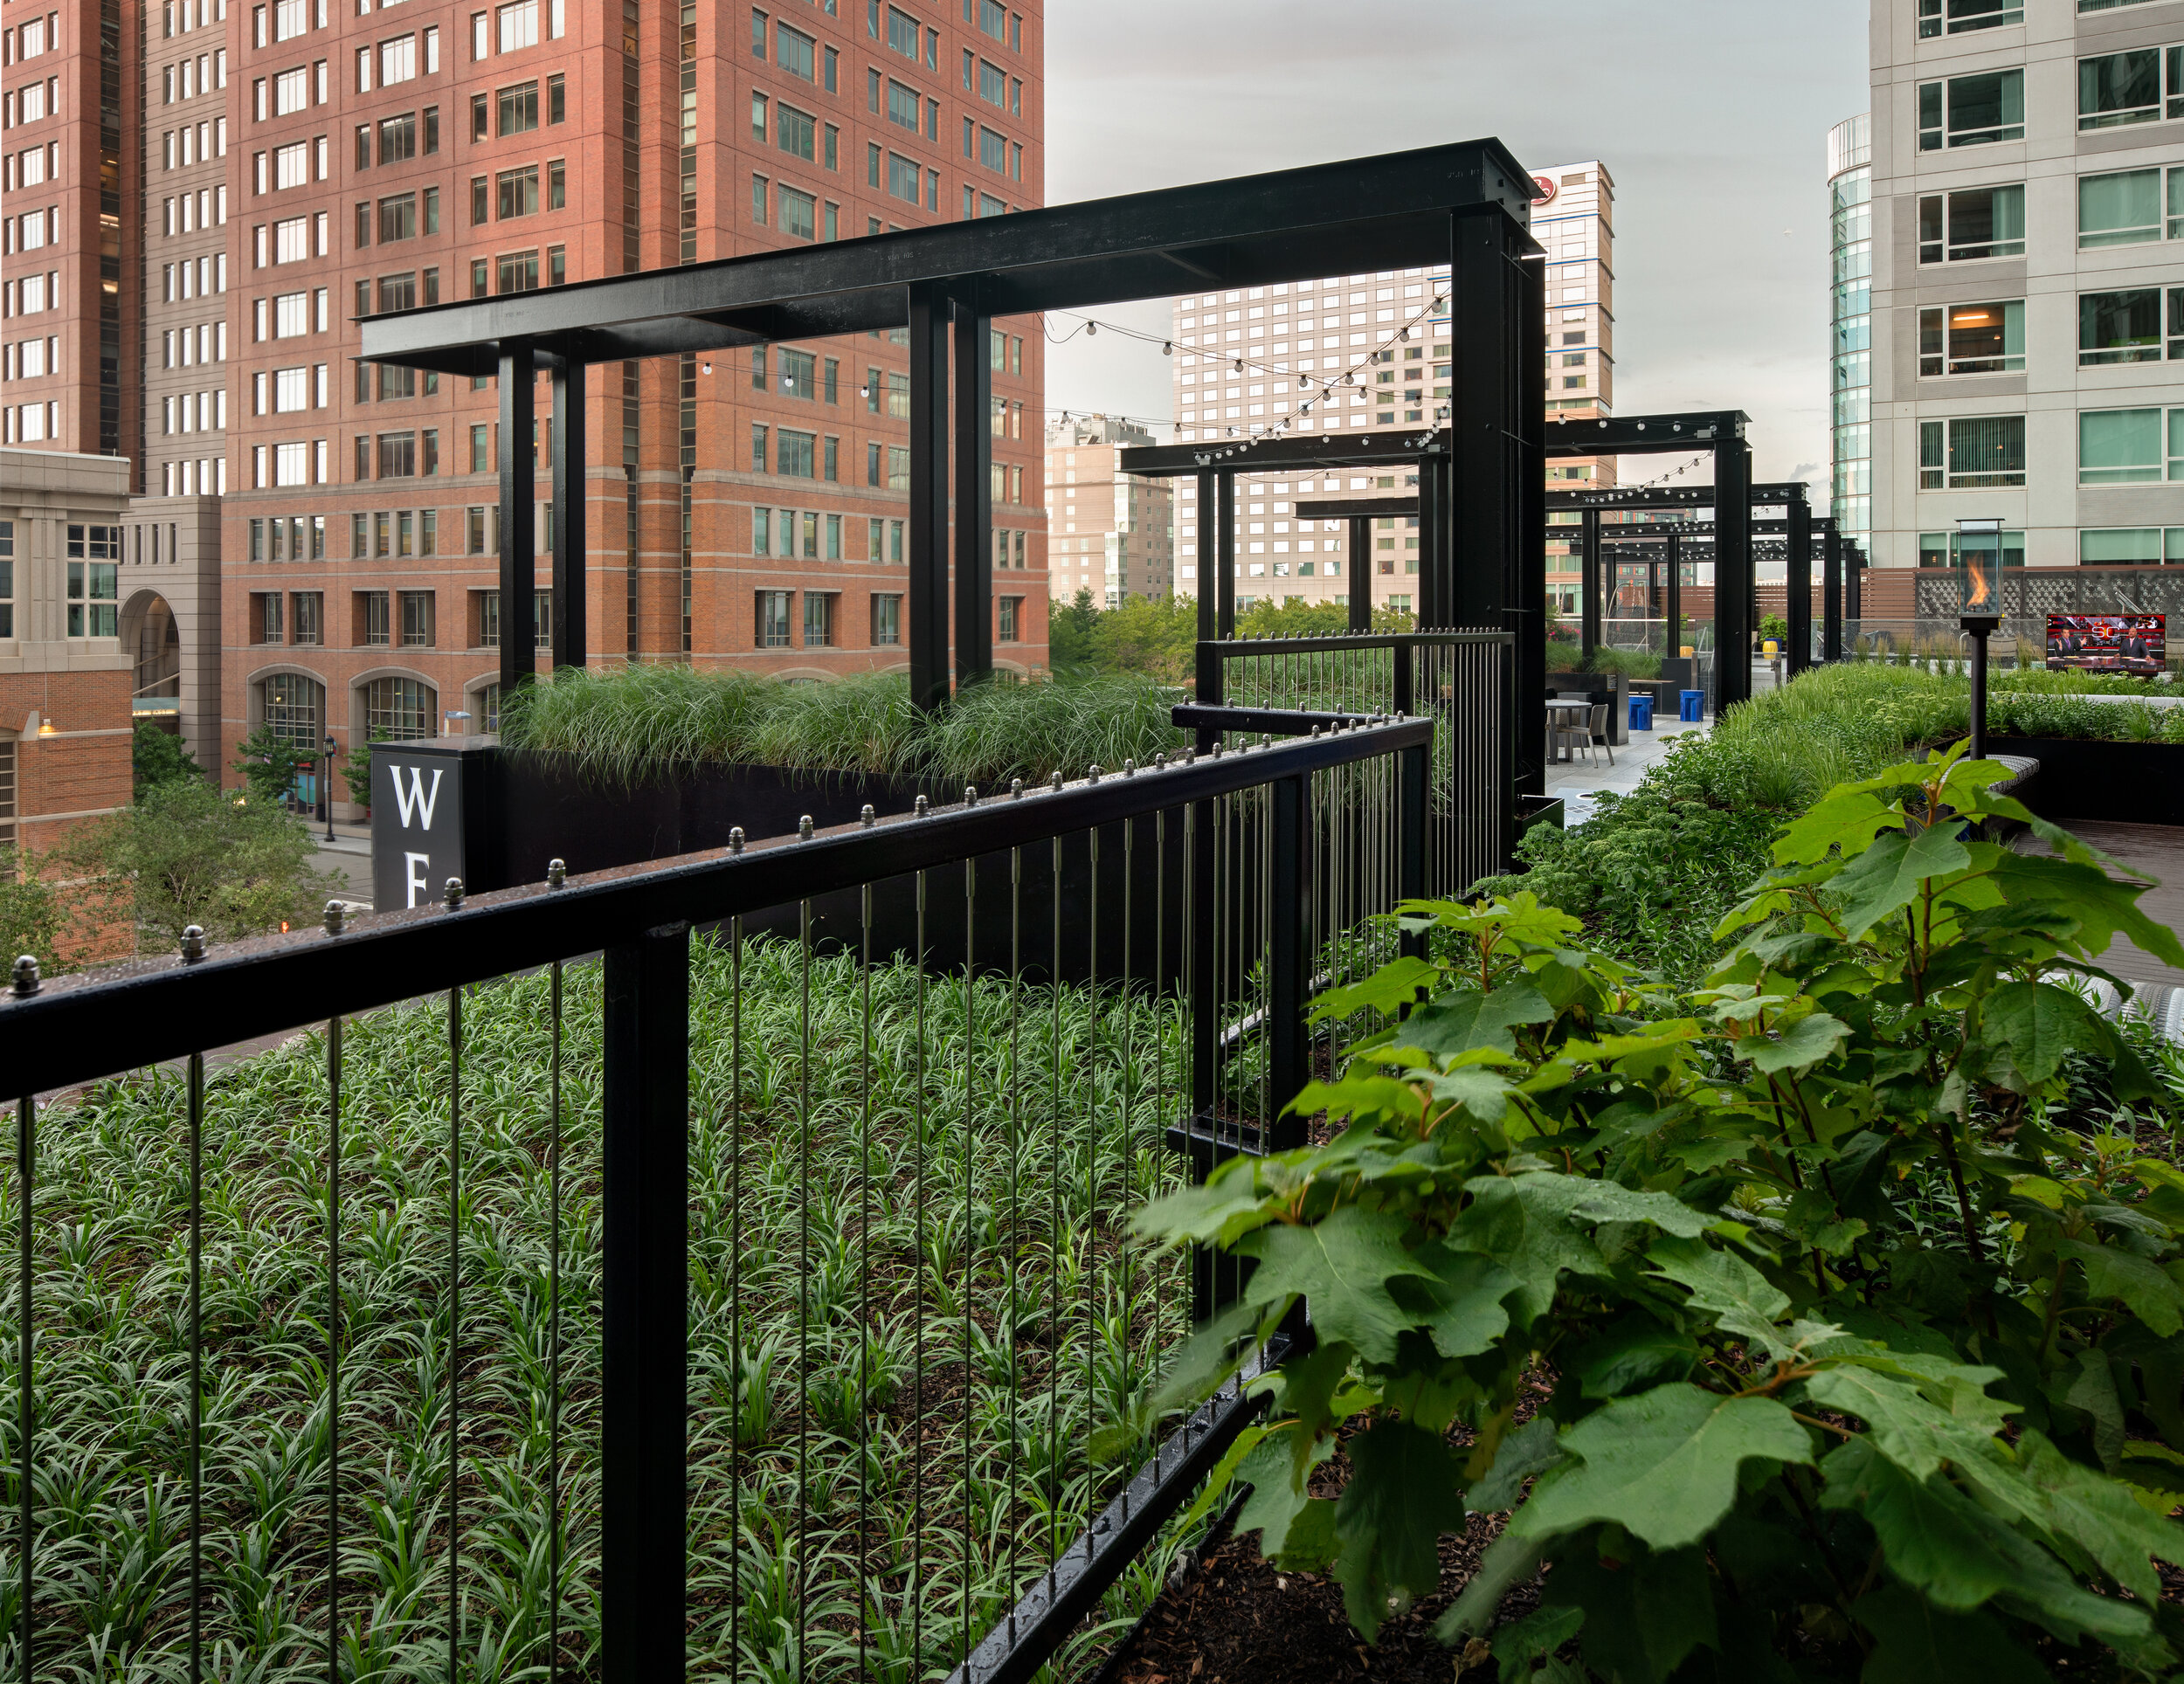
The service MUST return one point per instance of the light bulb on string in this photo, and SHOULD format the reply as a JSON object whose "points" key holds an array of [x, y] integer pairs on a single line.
{"points": [[1091, 328], [1167, 348]]}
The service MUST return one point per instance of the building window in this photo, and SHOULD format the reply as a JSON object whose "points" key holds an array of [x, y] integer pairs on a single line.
{"points": [[518, 24], [903, 176], [795, 453], [1958, 16], [1973, 339], [7, 579], [886, 618], [2119, 327], [292, 706], [902, 33], [305, 627], [93, 607], [266, 622], [796, 373], [517, 190], [519, 270], [818, 619], [519, 109], [1972, 110], [2131, 546], [773, 619], [1972, 453], [2130, 447], [794, 53], [799, 214], [794, 131], [2118, 88], [416, 620], [1011, 627], [372, 607], [400, 710], [1982, 221]]}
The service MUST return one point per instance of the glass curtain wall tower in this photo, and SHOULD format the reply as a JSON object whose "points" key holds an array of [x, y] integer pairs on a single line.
{"points": [[1851, 324]]}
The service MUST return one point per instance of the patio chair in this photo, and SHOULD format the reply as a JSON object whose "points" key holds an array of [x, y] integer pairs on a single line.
{"points": [[1596, 731]]}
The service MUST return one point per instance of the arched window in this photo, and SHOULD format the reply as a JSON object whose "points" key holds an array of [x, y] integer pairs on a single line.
{"points": [[294, 708], [400, 710]]}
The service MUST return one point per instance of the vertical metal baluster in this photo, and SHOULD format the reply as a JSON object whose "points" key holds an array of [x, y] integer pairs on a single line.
{"points": [[333, 1349], [1088, 1288], [1016, 1213], [196, 1367], [864, 1272], [26, 1183], [1054, 1233], [1129, 1160], [454, 1330], [969, 1179], [553, 1353], [803, 1282], [917, 1305], [736, 1294]]}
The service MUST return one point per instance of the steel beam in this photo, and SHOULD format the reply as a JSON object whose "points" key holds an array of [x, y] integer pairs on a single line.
{"points": [[1733, 572], [644, 1312], [927, 599], [571, 488], [974, 491], [1383, 212], [1639, 435], [519, 575], [1289, 453]]}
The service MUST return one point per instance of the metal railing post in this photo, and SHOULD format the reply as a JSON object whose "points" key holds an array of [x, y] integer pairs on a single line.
{"points": [[571, 632], [1288, 961], [1413, 792], [1360, 573], [644, 1272], [1210, 688], [519, 567], [1213, 1276], [1404, 683], [1207, 551], [974, 491], [1224, 555], [927, 595]]}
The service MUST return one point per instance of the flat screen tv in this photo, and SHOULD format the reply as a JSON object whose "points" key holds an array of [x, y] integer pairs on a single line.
{"points": [[2126, 644]]}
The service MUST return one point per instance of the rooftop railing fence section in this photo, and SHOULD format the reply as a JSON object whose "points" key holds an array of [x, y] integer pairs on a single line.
{"points": [[603, 1289], [1458, 679]]}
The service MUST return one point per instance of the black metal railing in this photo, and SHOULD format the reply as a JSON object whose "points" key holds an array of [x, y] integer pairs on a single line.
{"points": [[1461, 680], [629, 1277]]}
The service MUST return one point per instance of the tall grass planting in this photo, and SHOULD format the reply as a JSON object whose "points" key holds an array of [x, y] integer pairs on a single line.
{"points": [[626, 725], [908, 1317]]}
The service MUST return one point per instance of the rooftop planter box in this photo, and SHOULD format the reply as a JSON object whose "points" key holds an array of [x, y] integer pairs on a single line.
{"points": [[2100, 778]]}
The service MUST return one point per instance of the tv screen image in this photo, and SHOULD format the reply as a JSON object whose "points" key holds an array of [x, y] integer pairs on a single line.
{"points": [[2126, 644]]}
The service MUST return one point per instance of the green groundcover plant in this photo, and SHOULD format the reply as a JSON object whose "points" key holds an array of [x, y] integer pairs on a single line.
{"points": [[1850, 1279]]}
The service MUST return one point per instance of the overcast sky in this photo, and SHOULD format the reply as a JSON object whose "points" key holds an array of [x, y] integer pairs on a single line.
{"points": [[1710, 117]]}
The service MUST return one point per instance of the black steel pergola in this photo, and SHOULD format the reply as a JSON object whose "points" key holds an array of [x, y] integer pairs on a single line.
{"points": [[1466, 204]]}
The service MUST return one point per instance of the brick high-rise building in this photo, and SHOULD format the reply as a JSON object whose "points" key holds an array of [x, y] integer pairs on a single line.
{"points": [[1113, 533], [1371, 352], [305, 162]]}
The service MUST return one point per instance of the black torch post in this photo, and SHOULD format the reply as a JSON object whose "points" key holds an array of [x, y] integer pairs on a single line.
{"points": [[1978, 596]]}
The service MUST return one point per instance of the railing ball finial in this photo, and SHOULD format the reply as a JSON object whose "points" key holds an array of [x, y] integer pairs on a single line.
{"points": [[556, 873], [1016, 789], [970, 795], [1093, 777], [736, 838], [192, 943], [334, 912], [804, 827], [1129, 768], [454, 893], [1054, 783], [922, 808], [25, 980], [866, 816], [1160, 761]]}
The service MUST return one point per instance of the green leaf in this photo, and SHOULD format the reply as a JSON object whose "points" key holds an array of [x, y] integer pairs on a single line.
{"points": [[1311, 1388], [1470, 1019], [1845, 819], [1467, 1291], [1277, 1489], [1532, 1449], [1528, 1235], [1661, 1465], [1805, 1042], [1405, 1491], [2101, 1517], [1540, 1632], [2139, 1283], [1915, 1433], [1888, 875], [1636, 1352], [1959, 1555], [2038, 1024], [1920, 1643], [1341, 1266], [2094, 1391], [2104, 906], [1388, 990], [1723, 1286], [1645, 1611]]}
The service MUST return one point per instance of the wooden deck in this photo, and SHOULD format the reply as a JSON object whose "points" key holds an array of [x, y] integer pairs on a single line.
{"points": [[2155, 850]]}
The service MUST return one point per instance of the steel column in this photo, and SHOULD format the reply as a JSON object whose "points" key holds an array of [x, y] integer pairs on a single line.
{"points": [[1830, 592], [1672, 599], [519, 567], [1288, 956], [570, 539], [1436, 569], [1589, 579], [1203, 548], [927, 600], [1733, 572], [1361, 564], [974, 491], [643, 1267], [1225, 554], [1799, 546]]}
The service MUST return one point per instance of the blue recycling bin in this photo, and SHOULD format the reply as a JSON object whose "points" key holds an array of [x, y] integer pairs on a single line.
{"points": [[1691, 706], [1641, 712]]}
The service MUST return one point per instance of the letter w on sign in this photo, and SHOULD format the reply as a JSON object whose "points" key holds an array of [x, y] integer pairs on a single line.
{"points": [[416, 799]]}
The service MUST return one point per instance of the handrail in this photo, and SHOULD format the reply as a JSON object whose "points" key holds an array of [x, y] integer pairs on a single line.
{"points": [[61, 1034], [1316, 644]]}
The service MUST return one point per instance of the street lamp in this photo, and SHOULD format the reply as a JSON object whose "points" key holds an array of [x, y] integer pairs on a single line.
{"points": [[326, 795], [1979, 570]]}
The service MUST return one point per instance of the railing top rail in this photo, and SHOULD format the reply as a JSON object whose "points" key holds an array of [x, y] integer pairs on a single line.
{"points": [[1229, 648], [64, 1034]]}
